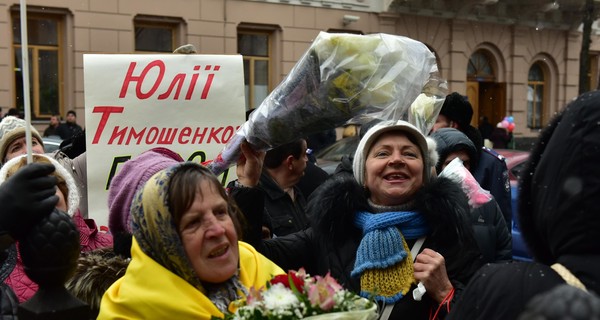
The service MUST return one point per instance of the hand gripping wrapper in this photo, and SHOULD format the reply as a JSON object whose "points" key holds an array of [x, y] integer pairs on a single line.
{"points": [[339, 78]]}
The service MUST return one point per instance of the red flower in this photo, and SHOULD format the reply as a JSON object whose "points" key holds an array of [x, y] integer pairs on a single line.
{"points": [[285, 280]]}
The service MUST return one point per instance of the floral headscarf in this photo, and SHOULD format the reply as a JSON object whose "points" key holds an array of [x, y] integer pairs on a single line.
{"points": [[155, 230]]}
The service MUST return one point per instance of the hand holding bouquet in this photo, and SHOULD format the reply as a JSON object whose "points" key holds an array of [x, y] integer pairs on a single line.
{"points": [[340, 77], [297, 295]]}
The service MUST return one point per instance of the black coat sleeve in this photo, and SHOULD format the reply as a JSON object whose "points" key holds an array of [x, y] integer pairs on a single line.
{"points": [[292, 251], [250, 201], [491, 233], [501, 291], [492, 175]]}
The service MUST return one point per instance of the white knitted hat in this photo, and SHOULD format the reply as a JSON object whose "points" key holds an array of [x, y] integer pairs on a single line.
{"points": [[72, 199], [426, 145], [12, 128]]}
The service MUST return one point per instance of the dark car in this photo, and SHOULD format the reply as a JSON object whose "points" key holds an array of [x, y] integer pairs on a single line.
{"points": [[51, 143], [516, 161], [329, 158]]}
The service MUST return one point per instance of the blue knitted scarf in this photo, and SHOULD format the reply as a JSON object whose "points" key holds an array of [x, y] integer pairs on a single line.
{"points": [[382, 244]]}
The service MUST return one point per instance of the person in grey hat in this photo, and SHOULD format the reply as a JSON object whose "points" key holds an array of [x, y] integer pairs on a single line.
{"points": [[386, 227], [13, 144], [491, 171], [492, 234]]}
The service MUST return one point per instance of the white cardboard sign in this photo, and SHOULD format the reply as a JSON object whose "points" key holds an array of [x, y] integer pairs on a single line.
{"points": [[191, 104]]}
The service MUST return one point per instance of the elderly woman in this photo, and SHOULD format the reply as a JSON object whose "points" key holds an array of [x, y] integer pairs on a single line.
{"points": [[13, 144], [186, 260], [387, 228]]}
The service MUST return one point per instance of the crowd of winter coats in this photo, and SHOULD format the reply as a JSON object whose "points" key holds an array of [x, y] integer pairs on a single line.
{"points": [[448, 233]]}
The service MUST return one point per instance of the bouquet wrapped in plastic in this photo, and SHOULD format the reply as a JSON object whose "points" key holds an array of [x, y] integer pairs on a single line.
{"points": [[340, 77], [457, 172]]}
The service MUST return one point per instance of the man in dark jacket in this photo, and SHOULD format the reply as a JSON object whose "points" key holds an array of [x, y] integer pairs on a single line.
{"points": [[52, 129], [491, 171], [70, 128], [491, 232], [558, 215], [284, 202]]}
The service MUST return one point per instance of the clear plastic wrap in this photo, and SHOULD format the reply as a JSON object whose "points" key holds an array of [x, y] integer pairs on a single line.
{"points": [[340, 77], [456, 172]]}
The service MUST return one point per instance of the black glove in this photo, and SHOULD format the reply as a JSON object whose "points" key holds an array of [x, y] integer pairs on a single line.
{"points": [[27, 197], [74, 145]]}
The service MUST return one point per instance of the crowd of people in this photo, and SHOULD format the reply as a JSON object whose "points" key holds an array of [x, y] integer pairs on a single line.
{"points": [[409, 212], [65, 130]]}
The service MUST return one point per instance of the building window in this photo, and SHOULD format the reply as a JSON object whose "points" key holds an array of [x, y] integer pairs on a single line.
{"points": [[156, 34], [45, 70], [480, 68], [255, 47], [535, 96]]}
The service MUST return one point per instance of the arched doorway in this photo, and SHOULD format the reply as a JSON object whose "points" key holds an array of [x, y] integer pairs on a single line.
{"points": [[486, 94]]}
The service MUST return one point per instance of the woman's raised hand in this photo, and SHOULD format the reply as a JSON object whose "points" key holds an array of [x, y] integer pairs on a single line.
{"points": [[249, 166]]}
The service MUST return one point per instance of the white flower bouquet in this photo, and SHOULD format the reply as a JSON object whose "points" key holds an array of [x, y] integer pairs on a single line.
{"points": [[297, 295], [341, 77]]}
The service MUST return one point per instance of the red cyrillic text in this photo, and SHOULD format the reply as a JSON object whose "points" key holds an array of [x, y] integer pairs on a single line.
{"points": [[152, 76]]}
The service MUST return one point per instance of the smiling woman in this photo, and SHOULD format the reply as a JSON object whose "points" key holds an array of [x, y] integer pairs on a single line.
{"points": [[186, 261], [387, 227]]}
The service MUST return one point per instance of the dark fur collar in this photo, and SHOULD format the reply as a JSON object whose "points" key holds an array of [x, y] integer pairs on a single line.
{"points": [[334, 204]]}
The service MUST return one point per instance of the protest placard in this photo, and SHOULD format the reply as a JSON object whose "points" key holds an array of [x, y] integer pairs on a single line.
{"points": [[191, 104]]}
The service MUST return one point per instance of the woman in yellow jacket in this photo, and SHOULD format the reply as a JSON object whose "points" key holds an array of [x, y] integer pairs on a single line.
{"points": [[186, 260]]}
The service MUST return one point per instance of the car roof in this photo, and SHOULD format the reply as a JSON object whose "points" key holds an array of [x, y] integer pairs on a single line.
{"points": [[513, 156]]}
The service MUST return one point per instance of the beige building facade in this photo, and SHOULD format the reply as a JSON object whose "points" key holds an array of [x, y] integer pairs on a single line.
{"points": [[528, 69]]}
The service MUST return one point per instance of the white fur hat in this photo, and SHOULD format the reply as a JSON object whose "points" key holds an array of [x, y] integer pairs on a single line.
{"points": [[426, 145], [72, 198]]}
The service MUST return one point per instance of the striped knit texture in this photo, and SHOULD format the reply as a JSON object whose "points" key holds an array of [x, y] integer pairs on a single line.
{"points": [[383, 259], [389, 284]]}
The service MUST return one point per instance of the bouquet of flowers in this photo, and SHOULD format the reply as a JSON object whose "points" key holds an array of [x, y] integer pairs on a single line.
{"points": [[297, 295], [341, 77]]}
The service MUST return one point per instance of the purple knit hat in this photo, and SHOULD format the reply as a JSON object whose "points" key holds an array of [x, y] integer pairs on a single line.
{"points": [[132, 177]]}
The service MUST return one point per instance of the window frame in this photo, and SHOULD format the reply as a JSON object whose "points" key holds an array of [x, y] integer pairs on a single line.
{"points": [[175, 25], [34, 13], [534, 85], [252, 61], [478, 66]]}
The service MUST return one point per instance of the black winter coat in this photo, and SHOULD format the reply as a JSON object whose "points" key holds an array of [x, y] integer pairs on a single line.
{"points": [[330, 245], [558, 212], [492, 174], [491, 233], [286, 215]]}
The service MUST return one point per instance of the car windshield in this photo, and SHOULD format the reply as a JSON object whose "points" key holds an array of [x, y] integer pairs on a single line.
{"points": [[51, 144], [335, 152]]}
